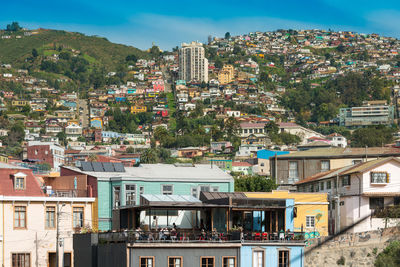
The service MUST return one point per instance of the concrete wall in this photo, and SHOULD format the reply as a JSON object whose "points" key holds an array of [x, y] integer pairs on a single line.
{"points": [[112, 254]]}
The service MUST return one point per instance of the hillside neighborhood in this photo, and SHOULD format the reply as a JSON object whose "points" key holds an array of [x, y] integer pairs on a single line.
{"points": [[248, 148]]}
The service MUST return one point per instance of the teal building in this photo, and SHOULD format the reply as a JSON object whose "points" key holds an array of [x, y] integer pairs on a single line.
{"points": [[120, 187]]}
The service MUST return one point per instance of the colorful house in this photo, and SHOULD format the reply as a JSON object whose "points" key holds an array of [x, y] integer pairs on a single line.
{"points": [[311, 210], [117, 186]]}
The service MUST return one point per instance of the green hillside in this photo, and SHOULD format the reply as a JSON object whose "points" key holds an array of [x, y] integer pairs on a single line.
{"points": [[94, 49]]}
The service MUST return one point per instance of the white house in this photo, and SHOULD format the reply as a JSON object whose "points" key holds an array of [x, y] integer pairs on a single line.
{"points": [[363, 188], [29, 220]]}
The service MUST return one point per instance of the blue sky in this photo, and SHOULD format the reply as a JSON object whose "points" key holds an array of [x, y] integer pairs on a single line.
{"points": [[168, 23]]}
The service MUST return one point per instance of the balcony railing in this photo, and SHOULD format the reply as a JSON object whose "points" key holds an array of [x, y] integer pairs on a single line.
{"points": [[133, 236]]}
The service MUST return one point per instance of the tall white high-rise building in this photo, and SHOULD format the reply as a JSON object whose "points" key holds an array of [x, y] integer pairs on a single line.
{"points": [[193, 66]]}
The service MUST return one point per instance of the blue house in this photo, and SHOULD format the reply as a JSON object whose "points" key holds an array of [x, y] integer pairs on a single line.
{"points": [[263, 160]]}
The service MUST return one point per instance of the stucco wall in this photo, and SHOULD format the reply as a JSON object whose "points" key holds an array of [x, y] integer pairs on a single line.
{"points": [[36, 239], [271, 255]]}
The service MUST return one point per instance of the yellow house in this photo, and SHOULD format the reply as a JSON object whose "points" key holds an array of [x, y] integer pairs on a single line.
{"points": [[227, 74], [19, 103], [311, 209], [138, 109]]}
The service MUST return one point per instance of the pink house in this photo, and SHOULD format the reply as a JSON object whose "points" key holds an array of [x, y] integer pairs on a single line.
{"points": [[158, 85]]}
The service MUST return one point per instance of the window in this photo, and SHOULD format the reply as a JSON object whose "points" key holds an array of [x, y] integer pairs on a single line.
{"points": [[194, 191], [310, 221], [19, 217], [21, 259], [19, 183], [258, 258], [328, 185], [174, 261], [130, 194], [228, 261], [141, 190], [167, 190], [207, 261], [379, 177], [50, 217], [325, 165], [205, 188], [346, 180], [262, 164], [321, 186], [146, 261], [293, 172], [356, 161], [116, 198], [376, 203], [77, 217], [215, 189], [283, 260]]}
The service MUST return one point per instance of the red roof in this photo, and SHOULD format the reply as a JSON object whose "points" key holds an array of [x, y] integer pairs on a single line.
{"points": [[241, 164], [32, 187]]}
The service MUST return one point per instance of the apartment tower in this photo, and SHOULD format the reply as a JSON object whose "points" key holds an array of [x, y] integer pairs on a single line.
{"points": [[193, 66]]}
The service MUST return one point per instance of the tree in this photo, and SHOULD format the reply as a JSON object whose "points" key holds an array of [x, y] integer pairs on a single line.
{"points": [[390, 256], [231, 127], [13, 27], [132, 58], [130, 150], [16, 134], [34, 53], [92, 158], [373, 136], [254, 183], [227, 35], [149, 156], [62, 137]]}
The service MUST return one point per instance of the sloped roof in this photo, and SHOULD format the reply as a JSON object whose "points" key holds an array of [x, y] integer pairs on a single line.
{"points": [[340, 152], [358, 168], [7, 172]]}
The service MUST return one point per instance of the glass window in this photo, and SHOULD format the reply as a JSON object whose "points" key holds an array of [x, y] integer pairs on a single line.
{"points": [[215, 188], [205, 188], [310, 221], [229, 262], [50, 217], [141, 190], [379, 177], [356, 161], [21, 259], [167, 190], [283, 260], [376, 203], [325, 165], [146, 261], [207, 261], [19, 183], [258, 258], [194, 191], [20, 217], [293, 171], [130, 194], [328, 185], [174, 261], [346, 180], [77, 217], [322, 186], [116, 198]]}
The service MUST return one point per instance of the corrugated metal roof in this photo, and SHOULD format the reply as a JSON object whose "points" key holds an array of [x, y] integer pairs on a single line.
{"points": [[170, 198], [343, 152]]}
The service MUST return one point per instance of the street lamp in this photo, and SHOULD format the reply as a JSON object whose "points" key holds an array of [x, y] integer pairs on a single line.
{"points": [[58, 233]]}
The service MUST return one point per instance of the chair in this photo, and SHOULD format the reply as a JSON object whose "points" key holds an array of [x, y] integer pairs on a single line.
{"points": [[223, 237], [257, 236], [264, 236]]}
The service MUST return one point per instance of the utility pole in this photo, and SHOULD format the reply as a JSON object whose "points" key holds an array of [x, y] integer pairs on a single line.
{"points": [[337, 197], [58, 232]]}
